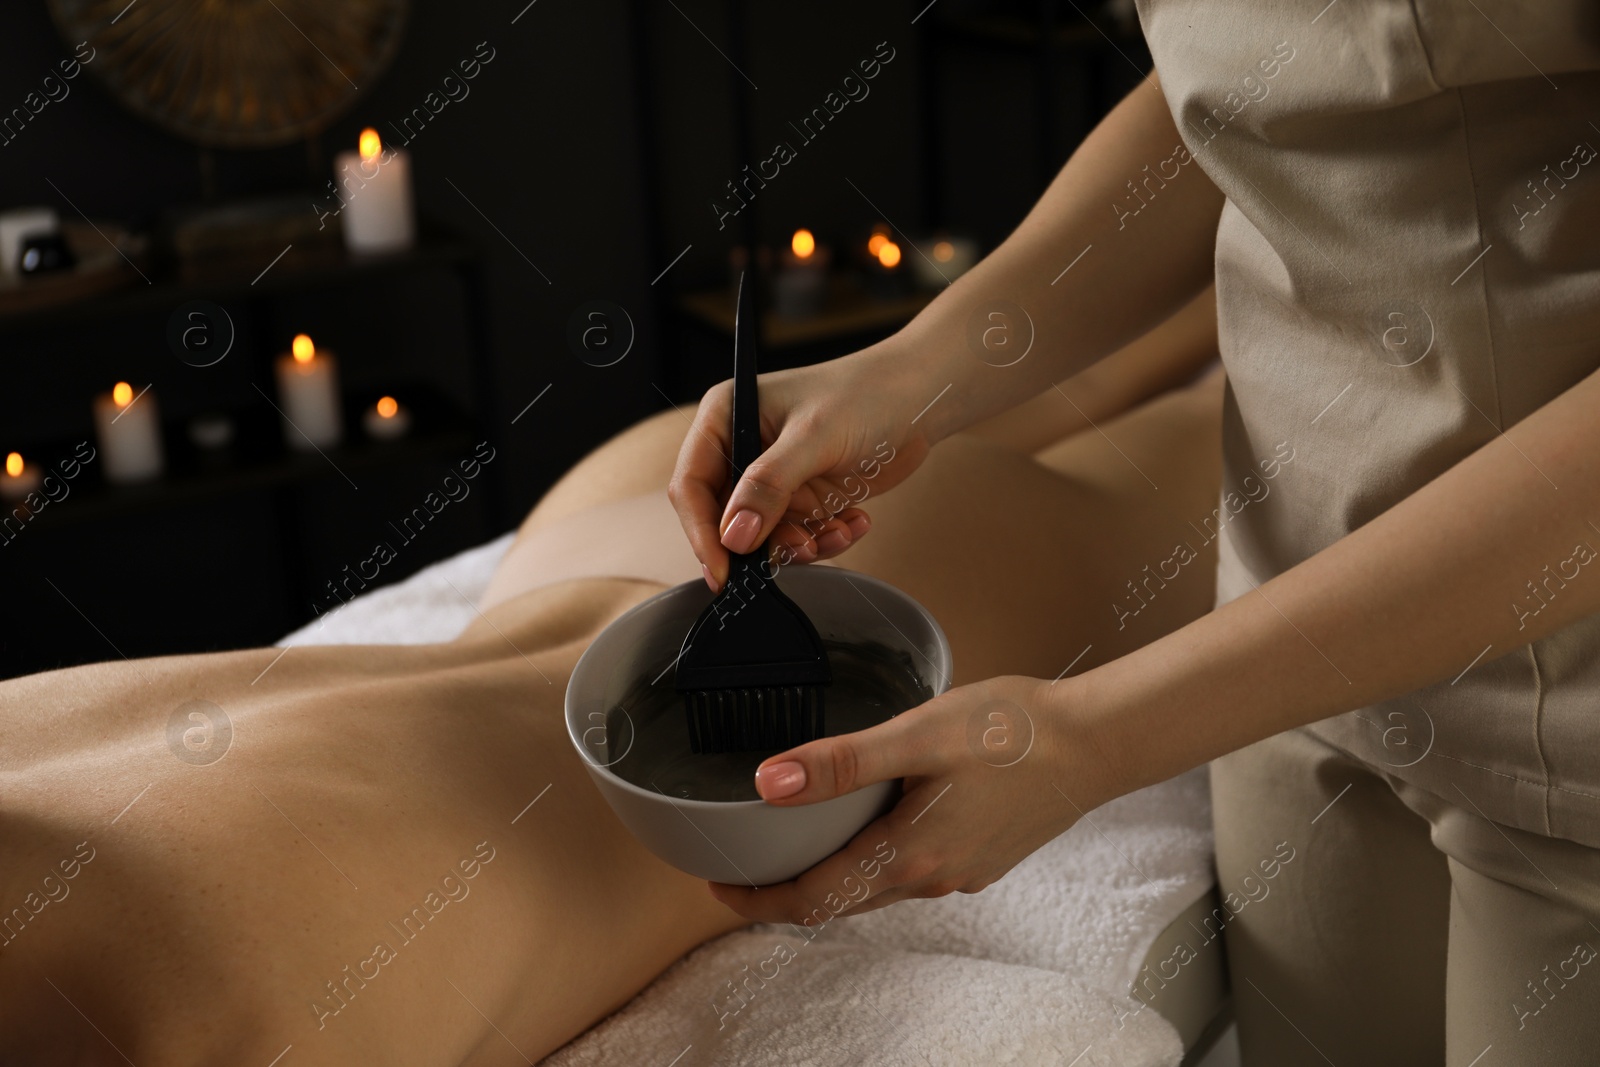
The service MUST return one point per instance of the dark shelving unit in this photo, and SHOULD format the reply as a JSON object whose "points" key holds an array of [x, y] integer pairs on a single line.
{"points": [[319, 268], [289, 517], [848, 312], [257, 460]]}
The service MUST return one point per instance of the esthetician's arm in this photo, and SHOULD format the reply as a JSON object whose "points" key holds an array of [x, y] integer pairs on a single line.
{"points": [[821, 423], [1409, 599]]}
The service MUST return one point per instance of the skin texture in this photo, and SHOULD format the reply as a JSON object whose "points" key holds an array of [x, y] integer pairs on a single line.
{"points": [[219, 904], [222, 897], [1316, 640]]}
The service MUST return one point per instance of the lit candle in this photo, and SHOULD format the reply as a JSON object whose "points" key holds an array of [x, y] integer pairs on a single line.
{"points": [[375, 189], [797, 289], [884, 274], [308, 391], [951, 257], [19, 479], [128, 426], [387, 419], [879, 238]]}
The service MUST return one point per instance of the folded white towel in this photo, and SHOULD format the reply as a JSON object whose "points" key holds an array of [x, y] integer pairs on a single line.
{"points": [[1034, 970], [1088, 904], [424, 608], [843, 1004]]}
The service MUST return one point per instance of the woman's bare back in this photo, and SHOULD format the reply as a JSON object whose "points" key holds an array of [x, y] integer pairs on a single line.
{"points": [[205, 863]]}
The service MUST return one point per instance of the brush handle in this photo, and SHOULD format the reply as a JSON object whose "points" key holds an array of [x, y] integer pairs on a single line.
{"points": [[746, 406], [746, 430]]}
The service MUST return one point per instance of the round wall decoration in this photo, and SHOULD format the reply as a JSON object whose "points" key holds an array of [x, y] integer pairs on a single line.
{"points": [[235, 73]]}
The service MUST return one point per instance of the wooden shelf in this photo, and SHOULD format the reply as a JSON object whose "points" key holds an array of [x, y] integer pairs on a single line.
{"points": [[258, 459], [301, 269], [847, 311]]}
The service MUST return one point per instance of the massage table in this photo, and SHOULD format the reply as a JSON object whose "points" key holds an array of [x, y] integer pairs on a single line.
{"points": [[1099, 950]]}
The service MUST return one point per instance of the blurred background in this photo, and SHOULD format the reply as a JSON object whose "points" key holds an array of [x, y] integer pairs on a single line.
{"points": [[298, 298]]}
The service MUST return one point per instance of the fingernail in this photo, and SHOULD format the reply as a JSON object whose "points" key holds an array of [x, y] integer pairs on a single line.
{"points": [[859, 525], [741, 533], [780, 780], [806, 552], [833, 541], [710, 581]]}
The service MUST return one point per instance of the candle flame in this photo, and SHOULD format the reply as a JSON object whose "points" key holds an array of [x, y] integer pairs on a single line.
{"points": [[944, 251], [303, 348], [803, 244], [371, 145], [889, 254], [387, 406], [14, 464], [876, 242], [122, 394]]}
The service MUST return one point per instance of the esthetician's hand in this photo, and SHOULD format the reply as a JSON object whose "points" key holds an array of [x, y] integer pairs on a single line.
{"points": [[835, 434], [992, 771]]}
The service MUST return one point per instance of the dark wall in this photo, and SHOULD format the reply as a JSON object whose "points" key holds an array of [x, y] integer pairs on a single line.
{"points": [[592, 148], [544, 146], [797, 54]]}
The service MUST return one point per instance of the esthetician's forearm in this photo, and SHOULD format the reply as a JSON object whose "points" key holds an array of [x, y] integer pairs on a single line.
{"points": [[1409, 599], [1136, 272]]}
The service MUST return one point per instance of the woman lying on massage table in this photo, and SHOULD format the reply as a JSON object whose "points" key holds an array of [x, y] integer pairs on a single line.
{"points": [[363, 876]]}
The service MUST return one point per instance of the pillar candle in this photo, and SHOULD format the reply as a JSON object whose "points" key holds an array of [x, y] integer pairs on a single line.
{"points": [[387, 419], [128, 427], [886, 274], [308, 396], [799, 286], [375, 188], [19, 478]]}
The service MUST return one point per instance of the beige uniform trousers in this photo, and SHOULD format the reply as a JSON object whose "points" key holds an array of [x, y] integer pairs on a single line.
{"points": [[1404, 930], [1408, 264]]}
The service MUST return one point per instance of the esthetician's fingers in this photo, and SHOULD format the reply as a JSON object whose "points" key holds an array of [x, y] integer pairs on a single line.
{"points": [[906, 745], [900, 748], [973, 804], [895, 858], [835, 434], [801, 541], [761, 498], [698, 481], [930, 845], [779, 482]]}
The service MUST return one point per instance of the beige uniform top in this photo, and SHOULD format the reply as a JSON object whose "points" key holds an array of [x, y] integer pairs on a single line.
{"points": [[1407, 264]]}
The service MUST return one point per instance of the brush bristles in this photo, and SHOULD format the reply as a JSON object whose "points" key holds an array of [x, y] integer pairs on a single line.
{"points": [[745, 720]]}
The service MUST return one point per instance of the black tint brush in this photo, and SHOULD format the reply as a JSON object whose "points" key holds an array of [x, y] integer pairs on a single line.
{"points": [[752, 669]]}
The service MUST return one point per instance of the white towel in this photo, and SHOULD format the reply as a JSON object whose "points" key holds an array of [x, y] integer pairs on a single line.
{"points": [[1035, 970], [846, 1005], [424, 608]]}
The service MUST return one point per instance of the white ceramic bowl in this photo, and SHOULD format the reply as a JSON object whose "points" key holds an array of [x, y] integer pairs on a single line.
{"points": [[740, 842]]}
